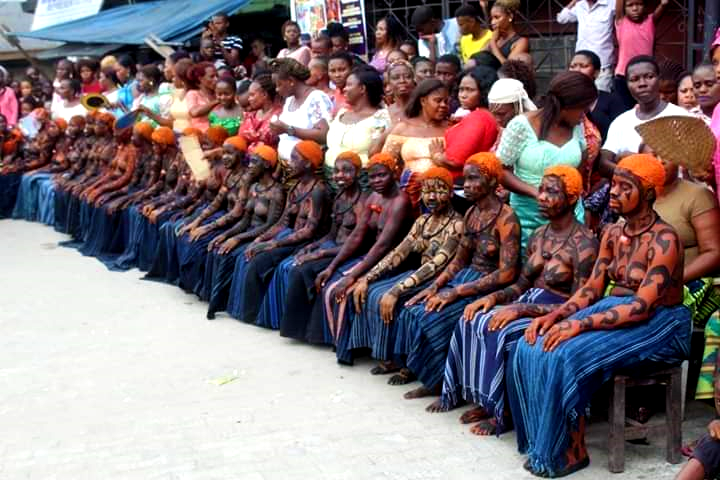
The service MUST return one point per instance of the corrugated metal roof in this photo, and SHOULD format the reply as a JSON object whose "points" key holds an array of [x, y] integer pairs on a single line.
{"points": [[171, 21]]}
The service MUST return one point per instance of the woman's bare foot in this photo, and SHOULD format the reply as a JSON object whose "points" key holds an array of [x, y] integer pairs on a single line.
{"points": [[384, 368], [404, 377], [421, 392], [485, 428], [474, 415], [437, 407]]}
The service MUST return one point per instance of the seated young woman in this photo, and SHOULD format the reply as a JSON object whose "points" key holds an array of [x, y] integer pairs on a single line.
{"points": [[61, 164], [692, 210], [566, 355], [560, 257], [385, 218], [486, 260], [99, 236], [76, 157], [166, 163], [424, 125], [146, 173], [264, 206], [173, 209], [290, 301], [141, 139], [181, 251], [11, 143], [35, 167], [433, 239], [98, 158], [302, 221]]}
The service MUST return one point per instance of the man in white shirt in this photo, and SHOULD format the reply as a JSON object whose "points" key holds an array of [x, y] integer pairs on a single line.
{"points": [[437, 37], [644, 85], [595, 32]]}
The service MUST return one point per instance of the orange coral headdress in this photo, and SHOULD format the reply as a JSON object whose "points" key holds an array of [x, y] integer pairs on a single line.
{"points": [[571, 179], [267, 153], [385, 159], [163, 136], [351, 157], [217, 135], [310, 151], [145, 130], [238, 142], [439, 173], [647, 168], [488, 164]]}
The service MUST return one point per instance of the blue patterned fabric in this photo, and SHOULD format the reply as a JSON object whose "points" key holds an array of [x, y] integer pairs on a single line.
{"points": [[46, 202], [273, 304], [218, 278], [237, 307], [548, 392], [475, 366], [367, 329], [428, 333], [26, 204], [9, 186]]}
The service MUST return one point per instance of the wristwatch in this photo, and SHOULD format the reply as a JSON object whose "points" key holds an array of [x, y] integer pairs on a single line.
{"points": [[291, 130]]}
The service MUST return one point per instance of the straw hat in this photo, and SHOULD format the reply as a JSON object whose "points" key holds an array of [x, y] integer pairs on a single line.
{"points": [[684, 140]]}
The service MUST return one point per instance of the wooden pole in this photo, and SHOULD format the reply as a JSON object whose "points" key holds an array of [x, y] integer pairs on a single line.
{"points": [[12, 40]]}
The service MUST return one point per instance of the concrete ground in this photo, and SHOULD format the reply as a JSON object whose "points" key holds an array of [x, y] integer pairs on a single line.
{"points": [[103, 376]]}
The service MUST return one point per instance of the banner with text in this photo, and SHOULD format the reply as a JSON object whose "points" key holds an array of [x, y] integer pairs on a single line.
{"points": [[54, 12]]}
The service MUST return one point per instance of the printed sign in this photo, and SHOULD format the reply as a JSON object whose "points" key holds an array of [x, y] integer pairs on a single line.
{"points": [[54, 12], [314, 15]]}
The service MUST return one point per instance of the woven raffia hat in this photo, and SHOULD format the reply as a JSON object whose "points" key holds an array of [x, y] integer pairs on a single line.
{"points": [[684, 140]]}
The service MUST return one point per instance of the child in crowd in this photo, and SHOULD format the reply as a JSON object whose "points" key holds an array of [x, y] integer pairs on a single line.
{"points": [[635, 32], [228, 114]]}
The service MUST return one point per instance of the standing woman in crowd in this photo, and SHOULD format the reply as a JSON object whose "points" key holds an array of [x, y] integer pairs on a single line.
{"points": [[706, 86], [110, 88], [476, 131], [692, 210], [200, 98], [553, 135], [604, 110], [410, 140], [228, 114], [715, 121], [508, 99], [306, 113], [125, 71], [168, 86], [69, 104], [179, 111], [359, 126], [401, 80], [685, 92], [388, 35], [505, 41], [88, 72], [262, 107], [8, 100], [152, 106], [290, 31]]}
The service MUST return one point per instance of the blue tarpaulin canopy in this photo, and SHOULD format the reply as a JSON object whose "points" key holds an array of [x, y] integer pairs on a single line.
{"points": [[169, 20]]}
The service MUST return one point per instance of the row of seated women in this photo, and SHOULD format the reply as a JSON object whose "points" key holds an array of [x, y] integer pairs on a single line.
{"points": [[446, 297]]}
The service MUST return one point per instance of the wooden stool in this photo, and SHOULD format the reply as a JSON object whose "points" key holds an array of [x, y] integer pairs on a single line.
{"points": [[671, 378]]}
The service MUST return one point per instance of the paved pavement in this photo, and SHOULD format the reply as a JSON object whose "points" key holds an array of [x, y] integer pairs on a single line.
{"points": [[103, 376]]}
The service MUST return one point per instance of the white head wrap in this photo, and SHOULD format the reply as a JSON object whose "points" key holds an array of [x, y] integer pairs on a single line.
{"points": [[3, 72], [509, 90]]}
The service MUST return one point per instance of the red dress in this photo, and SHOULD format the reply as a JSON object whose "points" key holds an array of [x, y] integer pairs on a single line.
{"points": [[257, 130], [93, 87], [475, 133]]}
